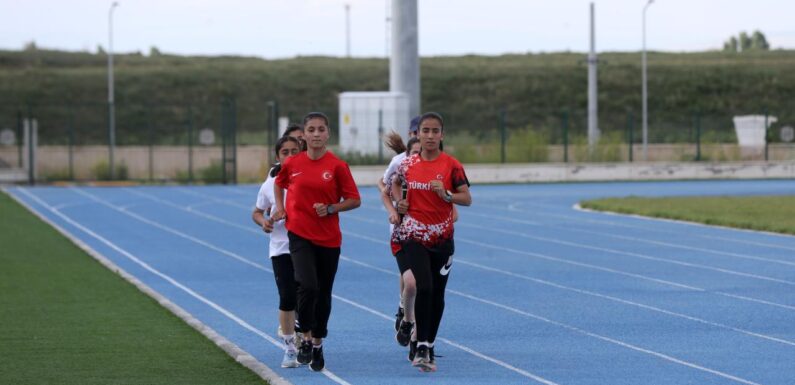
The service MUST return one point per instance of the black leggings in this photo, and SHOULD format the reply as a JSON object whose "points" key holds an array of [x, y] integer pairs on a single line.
{"points": [[285, 281], [431, 273], [315, 268]]}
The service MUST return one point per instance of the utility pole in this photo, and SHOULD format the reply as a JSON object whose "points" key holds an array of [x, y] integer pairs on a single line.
{"points": [[593, 106]]}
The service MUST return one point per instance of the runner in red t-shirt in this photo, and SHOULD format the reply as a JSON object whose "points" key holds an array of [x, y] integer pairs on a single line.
{"points": [[319, 185], [423, 241]]}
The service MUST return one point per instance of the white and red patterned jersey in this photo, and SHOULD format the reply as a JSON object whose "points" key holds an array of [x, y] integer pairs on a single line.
{"points": [[429, 219]]}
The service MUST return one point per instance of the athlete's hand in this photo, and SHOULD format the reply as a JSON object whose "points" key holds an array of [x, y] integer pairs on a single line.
{"points": [[267, 225], [394, 218], [278, 215], [321, 209], [438, 187], [402, 206]]}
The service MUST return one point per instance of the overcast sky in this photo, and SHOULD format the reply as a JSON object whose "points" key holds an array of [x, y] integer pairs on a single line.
{"points": [[286, 28]]}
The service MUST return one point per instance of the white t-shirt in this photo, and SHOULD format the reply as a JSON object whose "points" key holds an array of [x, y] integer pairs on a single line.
{"points": [[393, 166], [279, 243], [391, 170]]}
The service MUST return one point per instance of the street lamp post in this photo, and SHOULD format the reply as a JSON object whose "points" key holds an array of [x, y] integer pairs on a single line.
{"points": [[645, 90], [111, 106]]}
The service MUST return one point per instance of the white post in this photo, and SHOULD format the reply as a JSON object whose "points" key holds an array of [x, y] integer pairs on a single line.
{"points": [[645, 90], [111, 106], [404, 64], [593, 104], [347, 30]]}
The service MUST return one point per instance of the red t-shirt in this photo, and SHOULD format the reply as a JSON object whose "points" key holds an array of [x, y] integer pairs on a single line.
{"points": [[429, 219], [326, 180]]}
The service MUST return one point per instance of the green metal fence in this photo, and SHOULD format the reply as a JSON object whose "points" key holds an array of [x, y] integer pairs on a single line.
{"points": [[221, 141]]}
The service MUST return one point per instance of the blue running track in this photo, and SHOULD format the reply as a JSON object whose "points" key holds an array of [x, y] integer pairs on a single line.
{"points": [[540, 293]]}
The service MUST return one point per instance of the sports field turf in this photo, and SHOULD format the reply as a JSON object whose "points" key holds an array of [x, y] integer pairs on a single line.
{"points": [[66, 319], [766, 213]]}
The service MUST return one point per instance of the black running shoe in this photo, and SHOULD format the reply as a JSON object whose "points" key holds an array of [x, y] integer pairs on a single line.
{"points": [[305, 352], [422, 360], [398, 318], [403, 335], [318, 362], [412, 350]]}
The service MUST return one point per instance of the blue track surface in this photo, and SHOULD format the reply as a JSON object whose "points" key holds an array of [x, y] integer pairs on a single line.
{"points": [[539, 292]]}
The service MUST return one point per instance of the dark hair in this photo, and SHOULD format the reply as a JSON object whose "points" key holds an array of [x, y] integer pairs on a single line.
{"points": [[277, 147], [292, 127], [431, 115], [411, 143], [394, 141], [315, 115]]}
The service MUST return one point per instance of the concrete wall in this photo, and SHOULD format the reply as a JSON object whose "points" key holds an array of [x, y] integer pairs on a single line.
{"points": [[253, 163]]}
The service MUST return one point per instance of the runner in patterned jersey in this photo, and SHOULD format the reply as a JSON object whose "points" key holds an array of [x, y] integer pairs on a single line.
{"points": [[423, 241]]}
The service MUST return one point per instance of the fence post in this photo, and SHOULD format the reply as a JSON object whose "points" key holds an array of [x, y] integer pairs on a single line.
{"points": [[698, 136], [630, 133], [565, 124], [190, 144], [151, 140], [766, 134], [503, 135], [20, 135], [380, 135], [273, 121], [71, 135]]}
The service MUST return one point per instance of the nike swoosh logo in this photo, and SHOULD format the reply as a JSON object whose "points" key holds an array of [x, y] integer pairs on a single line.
{"points": [[446, 268], [296, 174]]}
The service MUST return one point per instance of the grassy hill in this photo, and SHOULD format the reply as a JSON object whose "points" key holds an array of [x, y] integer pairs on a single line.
{"points": [[167, 92]]}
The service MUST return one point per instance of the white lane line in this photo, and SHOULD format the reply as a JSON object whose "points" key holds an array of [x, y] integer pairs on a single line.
{"points": [[610, 340], [561, 260], [516, 208], [599, 295], [656, 230], [594, 335], [579, 208], [239, 354], [589, 266], [637, 255], [466, 349], [671, 245], [629, 254], [585, 332], [256, 265]]}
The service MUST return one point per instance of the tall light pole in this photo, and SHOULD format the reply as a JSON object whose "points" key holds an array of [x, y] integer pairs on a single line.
{"points": [[347, 30], [111, 107], [645, 90]]}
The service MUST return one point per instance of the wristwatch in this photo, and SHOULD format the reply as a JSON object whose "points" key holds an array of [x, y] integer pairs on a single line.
{"points": [[448, 196], [330, 209]]}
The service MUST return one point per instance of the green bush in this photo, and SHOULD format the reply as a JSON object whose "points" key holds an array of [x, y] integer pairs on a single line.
{"points": [[214, 173], [101, 171]]}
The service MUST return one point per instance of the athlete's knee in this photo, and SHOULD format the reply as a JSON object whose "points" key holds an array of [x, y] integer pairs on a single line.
{"points": [[409, 283]]}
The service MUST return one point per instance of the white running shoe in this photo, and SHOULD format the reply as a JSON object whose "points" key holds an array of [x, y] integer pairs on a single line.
{"points": [[290, 359]]}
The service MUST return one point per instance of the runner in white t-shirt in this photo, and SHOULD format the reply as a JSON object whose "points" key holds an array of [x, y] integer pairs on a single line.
{"points": [[395, 142], [279, 251]]}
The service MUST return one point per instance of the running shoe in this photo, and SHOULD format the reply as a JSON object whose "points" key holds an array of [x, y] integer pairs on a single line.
{"points": [[290, 359], [305, 352], [403, 335], [412, 350], [422, 360], [398, 318], [318, 362]]}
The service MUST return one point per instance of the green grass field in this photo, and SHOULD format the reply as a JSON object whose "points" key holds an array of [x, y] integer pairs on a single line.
{"points": [[766, 213], [66, 319]]}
